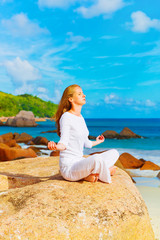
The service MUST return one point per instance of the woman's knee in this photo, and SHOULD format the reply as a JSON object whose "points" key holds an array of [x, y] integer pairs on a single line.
{"points": [[116, 153]]}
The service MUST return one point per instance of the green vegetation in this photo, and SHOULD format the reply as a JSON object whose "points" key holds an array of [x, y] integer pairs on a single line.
{"points": [[10, 105]]}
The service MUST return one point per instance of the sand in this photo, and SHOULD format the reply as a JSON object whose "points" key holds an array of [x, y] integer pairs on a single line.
{"points": [[151, 196]]}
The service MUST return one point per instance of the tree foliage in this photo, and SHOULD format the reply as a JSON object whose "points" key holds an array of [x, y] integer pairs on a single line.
{"points": [[10, 105]]}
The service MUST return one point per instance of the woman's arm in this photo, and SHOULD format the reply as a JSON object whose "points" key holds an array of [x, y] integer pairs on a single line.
{"points": [[99, 139]]}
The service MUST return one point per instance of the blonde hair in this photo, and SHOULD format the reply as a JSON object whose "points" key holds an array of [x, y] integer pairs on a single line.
{"points": [[64, 104]]}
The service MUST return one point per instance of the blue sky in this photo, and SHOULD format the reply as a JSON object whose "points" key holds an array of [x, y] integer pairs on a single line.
{"points": [[111, 48]]}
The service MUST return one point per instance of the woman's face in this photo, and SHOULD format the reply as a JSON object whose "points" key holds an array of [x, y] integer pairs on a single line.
{"points": [[78, 97]]}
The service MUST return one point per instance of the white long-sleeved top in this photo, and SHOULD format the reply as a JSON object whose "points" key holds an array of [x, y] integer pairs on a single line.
{"points": [[74, 135]]}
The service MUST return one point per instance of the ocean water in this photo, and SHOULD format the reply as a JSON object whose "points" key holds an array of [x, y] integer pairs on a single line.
{"points": [[147, 147]]}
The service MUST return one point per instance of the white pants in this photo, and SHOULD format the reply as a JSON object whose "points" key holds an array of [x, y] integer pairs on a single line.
{"points": [[97, 163]]}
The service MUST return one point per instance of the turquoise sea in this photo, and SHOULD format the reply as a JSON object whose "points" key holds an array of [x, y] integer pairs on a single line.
{"points": [[147, 147]]}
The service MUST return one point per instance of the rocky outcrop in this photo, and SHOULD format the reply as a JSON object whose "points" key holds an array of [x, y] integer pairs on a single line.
{"points": [[128, 161], [12, 153], [22, 119], [126, 133], [1, 123], [148, 165], [59, 209], [110, 134], [40, 141], [7, 136], [22, 138]]}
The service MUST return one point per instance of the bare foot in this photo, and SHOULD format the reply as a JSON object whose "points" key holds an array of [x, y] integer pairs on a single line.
{"points": [[92, 177], [112, 170]]}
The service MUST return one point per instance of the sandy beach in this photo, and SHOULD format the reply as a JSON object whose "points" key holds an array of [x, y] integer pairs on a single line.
{"points": [[151, 196]]}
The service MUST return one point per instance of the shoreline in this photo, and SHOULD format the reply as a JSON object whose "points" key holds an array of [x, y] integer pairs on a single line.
{"points": [[151, 196], [37, 119]]}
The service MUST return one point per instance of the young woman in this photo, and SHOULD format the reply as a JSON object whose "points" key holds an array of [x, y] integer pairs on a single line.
{"points": [[73, 132]]}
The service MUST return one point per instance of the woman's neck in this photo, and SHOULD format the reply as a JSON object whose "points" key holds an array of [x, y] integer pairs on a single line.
{"points": [[76, 111]]}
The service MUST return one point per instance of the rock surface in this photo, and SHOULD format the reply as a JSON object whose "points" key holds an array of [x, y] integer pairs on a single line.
{"points": [[59, 209], [126, 133], [22, 119], [11, 153], [130, 162], [110, 134], [1, 123], [148, 165], [22, 138]]}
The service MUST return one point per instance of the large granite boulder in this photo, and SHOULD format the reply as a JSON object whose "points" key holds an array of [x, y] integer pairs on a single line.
{"points": [[58, 209], [12, 153], [22, 119], [129, 161]]}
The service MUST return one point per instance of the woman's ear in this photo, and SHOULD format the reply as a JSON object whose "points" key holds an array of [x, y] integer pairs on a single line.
{"points": [[70, 99]]}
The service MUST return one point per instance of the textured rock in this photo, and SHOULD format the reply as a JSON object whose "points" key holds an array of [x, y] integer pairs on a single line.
{"points": [[11, 153], [12, 143], [127, 133], [22, 138], [54, 153], [22, 119], [158, 175], [110, 134], [59, 209], [40, 140], [128, 161], [7, 136], [148, 165], [1, 123]]}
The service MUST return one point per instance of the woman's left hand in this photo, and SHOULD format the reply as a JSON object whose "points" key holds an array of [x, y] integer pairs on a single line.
{"points": [[100, 139]]}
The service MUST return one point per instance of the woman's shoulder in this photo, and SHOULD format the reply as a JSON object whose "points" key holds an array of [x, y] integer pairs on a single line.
{"points": [[65, 116]]}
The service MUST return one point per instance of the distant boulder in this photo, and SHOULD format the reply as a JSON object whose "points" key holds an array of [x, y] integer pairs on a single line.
{"points": [[110, 134], [40, 141], [22, 119], [1, 123], [127, 133], [22, 138]]}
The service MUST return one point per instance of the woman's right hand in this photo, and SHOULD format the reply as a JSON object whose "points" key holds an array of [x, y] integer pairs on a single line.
{"points": [[52, 145]]}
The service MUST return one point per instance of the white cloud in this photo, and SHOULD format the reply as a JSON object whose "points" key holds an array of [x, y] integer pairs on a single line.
{"points": [[76, 39], [114, 99], [5, 1], [21, 71], [104, 7], [41, 89], [20, 26], [55, 99], [56, 3], [108, 37], [149, 103], [142, 23], [149, 83], [26, 88]]}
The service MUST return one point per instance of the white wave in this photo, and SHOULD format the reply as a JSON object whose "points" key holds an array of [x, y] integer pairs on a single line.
{"points": [[148, 155]]}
